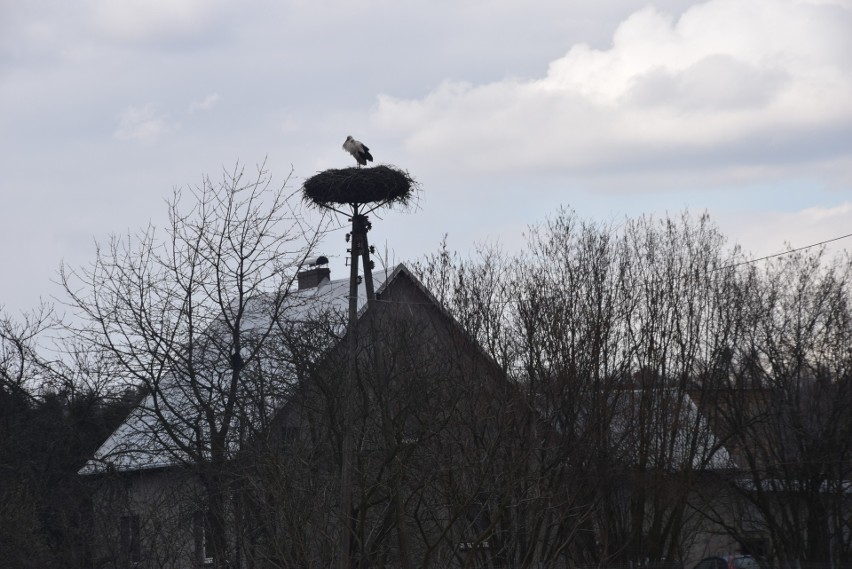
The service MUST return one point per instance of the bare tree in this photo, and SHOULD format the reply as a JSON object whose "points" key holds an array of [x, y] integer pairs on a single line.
{"points": [[54, 412], [430, 420], [609, 330], [789, 411], [23, 370], [23, 542], [191, 318]]}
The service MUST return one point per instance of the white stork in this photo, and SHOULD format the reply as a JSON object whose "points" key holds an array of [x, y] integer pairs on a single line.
{"points": [[358, 150]]}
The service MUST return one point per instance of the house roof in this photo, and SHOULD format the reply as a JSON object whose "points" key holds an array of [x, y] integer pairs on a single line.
{"points": [[661, 428], [679, 436], [140, 442]]}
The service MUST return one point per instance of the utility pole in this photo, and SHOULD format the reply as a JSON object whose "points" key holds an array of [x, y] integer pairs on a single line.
{"points": [[356, 192]]}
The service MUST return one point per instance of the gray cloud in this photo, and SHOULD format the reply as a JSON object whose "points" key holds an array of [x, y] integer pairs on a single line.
{"points": [[611, 107], [714, 83]]}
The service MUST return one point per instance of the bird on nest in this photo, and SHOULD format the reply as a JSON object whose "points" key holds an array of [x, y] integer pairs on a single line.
{"points": [[357, 149]]}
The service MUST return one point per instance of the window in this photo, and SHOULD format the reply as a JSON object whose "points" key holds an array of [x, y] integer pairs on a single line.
{"points": [[203, 542], [468, 545], [131, 550]]}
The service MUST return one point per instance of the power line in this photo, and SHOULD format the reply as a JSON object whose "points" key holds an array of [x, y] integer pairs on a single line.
{"points": [[747, 262], [784, 252]]}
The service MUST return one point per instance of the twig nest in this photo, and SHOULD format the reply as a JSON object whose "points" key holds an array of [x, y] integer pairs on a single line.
{"points": [[359, 185]]}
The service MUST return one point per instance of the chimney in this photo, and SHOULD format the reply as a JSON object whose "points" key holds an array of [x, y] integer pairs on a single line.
{"points": [[312, 277]]}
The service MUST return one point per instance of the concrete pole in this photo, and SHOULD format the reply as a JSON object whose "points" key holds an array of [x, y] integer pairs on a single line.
{"points": [[345, 561]]}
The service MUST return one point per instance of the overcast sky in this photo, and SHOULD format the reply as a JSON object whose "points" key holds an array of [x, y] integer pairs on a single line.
{"points": [[502, 110]]}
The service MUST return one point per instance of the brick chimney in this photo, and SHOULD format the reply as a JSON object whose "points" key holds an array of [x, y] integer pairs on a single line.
{"points": [[313, 276]]}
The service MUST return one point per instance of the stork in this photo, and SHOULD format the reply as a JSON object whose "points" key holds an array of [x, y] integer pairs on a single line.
{"points": [[358, 150]]}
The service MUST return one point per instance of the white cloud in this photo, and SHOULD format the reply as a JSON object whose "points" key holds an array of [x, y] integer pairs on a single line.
{"points": [[639, 110], [750, 79], [142, 123], [206, 104]]}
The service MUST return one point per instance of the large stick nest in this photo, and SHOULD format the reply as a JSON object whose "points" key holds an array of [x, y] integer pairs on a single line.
{"points": [[384, 184]]}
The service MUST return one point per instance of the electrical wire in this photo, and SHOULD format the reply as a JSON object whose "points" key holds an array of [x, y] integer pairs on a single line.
{"points": [[750, 261], [731, 266]]}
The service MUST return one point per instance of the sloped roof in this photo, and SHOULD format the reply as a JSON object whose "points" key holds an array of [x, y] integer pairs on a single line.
{"points": [[680, 437], [661, 428], [140, 442]]}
